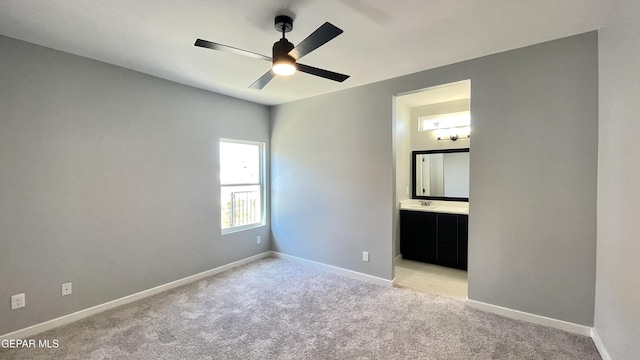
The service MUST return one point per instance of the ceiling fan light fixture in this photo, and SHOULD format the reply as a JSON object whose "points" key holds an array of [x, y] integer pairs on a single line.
{"points": [[283, 63], [284, 66]]}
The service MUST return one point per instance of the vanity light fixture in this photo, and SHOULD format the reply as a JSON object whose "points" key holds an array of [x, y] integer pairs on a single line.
{"points": [[452, 126], [454, 134]]}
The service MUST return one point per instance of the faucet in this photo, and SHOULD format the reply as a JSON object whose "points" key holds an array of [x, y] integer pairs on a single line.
{"points": [[425, 203]]}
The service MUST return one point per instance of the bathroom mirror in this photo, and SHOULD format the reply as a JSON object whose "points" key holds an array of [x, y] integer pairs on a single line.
{"points": [[441, 174]]}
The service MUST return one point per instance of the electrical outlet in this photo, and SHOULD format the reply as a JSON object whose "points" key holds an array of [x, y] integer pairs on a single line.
{"points": [[365, 256], [258, 240], [66, 289], [407, 190], [18, 301]]}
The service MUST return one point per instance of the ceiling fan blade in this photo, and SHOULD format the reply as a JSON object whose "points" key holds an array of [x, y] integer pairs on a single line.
{"points": [[230, 49], [322, 73], [263, 80], [321, 36]]}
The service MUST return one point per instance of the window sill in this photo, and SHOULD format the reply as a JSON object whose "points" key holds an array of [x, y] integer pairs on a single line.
{"points": [[241, 228]]}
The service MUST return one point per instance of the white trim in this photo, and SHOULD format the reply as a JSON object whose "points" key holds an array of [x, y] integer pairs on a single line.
{"points": [[395, 261], [599, 345], [337, 270], [63, 320], [532, 318], [240, 228]]}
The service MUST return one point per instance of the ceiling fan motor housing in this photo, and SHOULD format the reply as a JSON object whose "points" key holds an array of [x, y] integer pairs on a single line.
{"points": [[281, 51]]}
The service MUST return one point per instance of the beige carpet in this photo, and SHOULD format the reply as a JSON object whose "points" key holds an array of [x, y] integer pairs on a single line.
{"points": [[276, 309]]}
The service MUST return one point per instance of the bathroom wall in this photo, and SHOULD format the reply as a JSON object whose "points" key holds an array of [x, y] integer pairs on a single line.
{"points": [[426, 140]]}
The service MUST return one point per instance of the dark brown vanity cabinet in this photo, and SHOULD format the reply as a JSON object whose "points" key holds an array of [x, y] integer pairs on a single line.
{"points": [[434, 238]]}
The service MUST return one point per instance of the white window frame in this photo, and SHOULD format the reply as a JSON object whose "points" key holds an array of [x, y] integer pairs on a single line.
{"points": [[261, 184]]}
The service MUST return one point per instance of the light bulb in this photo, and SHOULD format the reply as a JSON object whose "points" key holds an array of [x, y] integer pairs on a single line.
{"points": [[284, 68]]}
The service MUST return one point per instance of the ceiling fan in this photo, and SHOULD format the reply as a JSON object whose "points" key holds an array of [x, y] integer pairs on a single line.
{"points": [[285, 55]]}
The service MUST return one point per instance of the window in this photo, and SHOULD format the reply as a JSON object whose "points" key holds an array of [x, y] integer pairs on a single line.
{"points": [[241, 184]]}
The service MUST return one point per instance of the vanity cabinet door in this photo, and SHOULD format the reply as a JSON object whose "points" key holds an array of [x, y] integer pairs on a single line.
{"points": [[418, 236], [429, 238], [448, 239]]}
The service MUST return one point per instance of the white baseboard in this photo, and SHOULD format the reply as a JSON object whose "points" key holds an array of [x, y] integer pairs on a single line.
{"points": [[63, 320], [514, 314], [532, 318], [599, 345], [397, 258], [337, 270]]}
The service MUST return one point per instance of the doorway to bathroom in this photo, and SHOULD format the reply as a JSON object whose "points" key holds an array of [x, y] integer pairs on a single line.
{"points": [[432, 136]]}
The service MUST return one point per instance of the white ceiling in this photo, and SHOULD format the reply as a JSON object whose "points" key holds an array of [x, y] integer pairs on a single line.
{"points": [[382, 39], [437, 94]]}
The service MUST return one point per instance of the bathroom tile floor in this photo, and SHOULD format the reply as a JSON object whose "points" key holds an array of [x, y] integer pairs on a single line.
{"points": [[431, 278]]}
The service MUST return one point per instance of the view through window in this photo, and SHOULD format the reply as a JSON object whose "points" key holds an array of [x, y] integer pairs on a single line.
{"points": [[241, 180]]}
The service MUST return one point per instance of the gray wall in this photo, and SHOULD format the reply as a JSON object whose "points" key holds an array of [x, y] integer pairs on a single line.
{"points": [[109, 180], [617, 314], [533, 176], [533, 179], [333, 182]]}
